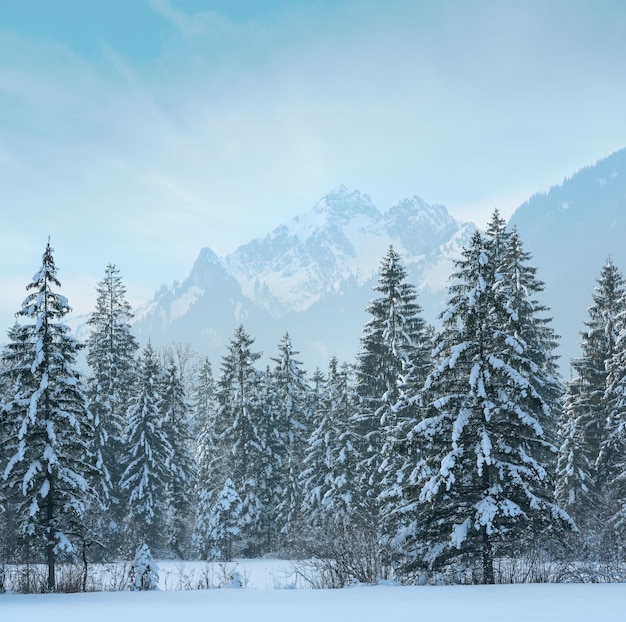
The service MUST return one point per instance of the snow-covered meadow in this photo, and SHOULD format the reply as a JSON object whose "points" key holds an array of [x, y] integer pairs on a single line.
{"points": [[510, 603], [267, 597]]}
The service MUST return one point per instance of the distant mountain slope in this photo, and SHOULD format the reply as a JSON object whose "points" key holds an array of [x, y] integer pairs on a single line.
{"points": [[571, 230], [312, 276]]}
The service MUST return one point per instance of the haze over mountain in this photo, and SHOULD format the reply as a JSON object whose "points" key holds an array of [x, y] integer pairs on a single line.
{"points": [[312, 277], [571, 230]]}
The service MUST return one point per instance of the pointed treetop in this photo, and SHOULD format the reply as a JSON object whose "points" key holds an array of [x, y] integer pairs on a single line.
{"points": [[497, 224], [43, 301]]}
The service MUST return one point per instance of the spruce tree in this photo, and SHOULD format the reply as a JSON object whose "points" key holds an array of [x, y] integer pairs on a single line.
{"points": [[146, 475], [611, 463], [529, 322], [270, 469], [210, 461], [111, 350], [238, 423], [584, 458], [599, 345], [202, 398], [181, 466], [51, 471], [486, 479], [344, 501], [392, 366], [293, 421], [221, 523], [332, 496], [317, 460], [144, 571], [574, 472]]}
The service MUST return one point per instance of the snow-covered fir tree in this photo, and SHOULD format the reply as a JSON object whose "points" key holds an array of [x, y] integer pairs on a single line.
{"points": [[238, 424], [293, 425], [574, 473], [144, 571], [332, 495], [530, 323], [270, 469], [391, 369], [611, 462], [220, 524], [599, 345], [181, 466], [202, 397], [583, 468], [203, 427], [486, 478], [344, 498], [317, 461], [111, 350], [147, 467], [51, 471], [7, 522], [210, 462], [313, 473]]}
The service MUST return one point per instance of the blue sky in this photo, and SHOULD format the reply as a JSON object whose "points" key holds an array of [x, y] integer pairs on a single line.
{"points": [[138, 131]]}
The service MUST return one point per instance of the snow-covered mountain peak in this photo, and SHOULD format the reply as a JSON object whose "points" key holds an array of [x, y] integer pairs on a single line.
{"points": [[208, 267], [342, 238], [336, 210], [418, 225], [207, 256], [417, 210], [344, 203], [321, 265]]}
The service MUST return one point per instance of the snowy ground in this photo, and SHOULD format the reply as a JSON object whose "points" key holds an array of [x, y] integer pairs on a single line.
{"points": [[266, 600]]}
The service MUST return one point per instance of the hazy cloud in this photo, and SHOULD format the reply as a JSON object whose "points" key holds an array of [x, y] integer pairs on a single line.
{"points": [[239, 120]]}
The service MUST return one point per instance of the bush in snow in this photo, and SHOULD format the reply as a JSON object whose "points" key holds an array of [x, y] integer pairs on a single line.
{"points": [[144, 572], [235, 581]]}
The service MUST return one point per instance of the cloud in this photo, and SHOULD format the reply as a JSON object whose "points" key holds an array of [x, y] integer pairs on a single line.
{"points": [[190, 25], [238, 124]]}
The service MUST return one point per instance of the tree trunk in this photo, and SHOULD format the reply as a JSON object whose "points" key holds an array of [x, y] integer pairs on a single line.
{"points": [[50, 543], [487, 554], [85, 567]]}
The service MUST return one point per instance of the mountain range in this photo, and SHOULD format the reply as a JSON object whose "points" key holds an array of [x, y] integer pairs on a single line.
{"points": [[313, 276]]}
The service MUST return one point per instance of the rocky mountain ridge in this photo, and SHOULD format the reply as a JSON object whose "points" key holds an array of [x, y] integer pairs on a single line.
{"points": [[312, 277]]}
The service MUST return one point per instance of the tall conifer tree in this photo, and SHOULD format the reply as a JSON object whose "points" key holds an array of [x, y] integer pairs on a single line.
{"points": [[585, 455], [391, 368], [146, 476], [487, 479], [238, 422], [293, 421], [182, 469], [599, 344], [51, 470], [611, 462], [111, 350]]}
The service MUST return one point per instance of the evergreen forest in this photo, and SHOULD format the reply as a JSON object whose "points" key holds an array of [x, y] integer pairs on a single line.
{"points": [[434, 456]]}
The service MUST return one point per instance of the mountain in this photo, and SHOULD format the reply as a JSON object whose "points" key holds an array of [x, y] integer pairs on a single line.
{"points": [[571, 230], [312, 277]]}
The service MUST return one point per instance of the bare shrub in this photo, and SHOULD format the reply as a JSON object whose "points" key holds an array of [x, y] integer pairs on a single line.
{"points": [[27, 578], [351, 554]]}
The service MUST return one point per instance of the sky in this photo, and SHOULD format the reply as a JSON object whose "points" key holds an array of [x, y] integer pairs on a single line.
{"points": [[138, 132]]}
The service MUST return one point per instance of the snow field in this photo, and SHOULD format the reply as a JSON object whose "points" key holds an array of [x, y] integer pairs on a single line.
{"points": [[506, 603]]}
